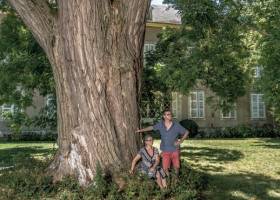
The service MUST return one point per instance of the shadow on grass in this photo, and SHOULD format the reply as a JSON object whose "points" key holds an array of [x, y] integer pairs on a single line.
{"points": [[10, 156], [211, 154], [272, 143], [232, 185], [243, 186]]}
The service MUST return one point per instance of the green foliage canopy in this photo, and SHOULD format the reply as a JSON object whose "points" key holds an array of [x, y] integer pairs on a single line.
{"points": [[24, 69], [209, 47]]}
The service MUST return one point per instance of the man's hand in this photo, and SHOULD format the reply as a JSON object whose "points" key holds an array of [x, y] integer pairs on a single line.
{"points": [[178, 142], [138, 131]]}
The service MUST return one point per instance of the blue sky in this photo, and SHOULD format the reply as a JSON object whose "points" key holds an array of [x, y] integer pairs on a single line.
{"points": [[157, 1]]}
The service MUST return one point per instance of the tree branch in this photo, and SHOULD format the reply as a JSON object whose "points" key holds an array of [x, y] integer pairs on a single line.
{"points": [[37, 16]]}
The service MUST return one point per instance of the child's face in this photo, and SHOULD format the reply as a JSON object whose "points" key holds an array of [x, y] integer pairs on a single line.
{"points": [[149, 141]]}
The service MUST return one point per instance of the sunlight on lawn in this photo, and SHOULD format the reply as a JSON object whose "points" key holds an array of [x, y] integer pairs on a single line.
{"points": [[242, 195], [238, 169], [37, 150]]}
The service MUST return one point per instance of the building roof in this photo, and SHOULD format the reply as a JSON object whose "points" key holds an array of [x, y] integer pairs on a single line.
{"points": [[164, 14]]}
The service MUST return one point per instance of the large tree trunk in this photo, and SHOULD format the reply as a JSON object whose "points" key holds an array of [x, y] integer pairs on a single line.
{"points": [[95, 48]]}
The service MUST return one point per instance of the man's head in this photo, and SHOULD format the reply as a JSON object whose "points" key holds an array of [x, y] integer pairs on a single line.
{"points": [[167, 115]]}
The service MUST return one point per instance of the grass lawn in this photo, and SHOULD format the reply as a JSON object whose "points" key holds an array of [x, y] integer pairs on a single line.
{"points": [[237, 169], [9, 152]]}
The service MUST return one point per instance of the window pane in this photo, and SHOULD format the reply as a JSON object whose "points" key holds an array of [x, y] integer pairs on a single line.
{"points": [[261, 113], [193, 113], [193, 105], [254, 98], [193, 96], [201, 113], [227, 115], [200, 96]]}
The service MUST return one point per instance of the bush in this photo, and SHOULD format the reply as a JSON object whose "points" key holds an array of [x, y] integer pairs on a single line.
{"points": [[191, 126], [242, 131], [28, 181], [31, 136], [38, 136]]}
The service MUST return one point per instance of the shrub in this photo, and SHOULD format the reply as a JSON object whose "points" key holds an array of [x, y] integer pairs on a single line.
{"points": [[242, 131], [28, 181], [45, 135], [191, 126], [38, 136]]}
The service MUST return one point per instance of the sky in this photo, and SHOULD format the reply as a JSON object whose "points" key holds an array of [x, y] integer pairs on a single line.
{"points": [[157, 2]]}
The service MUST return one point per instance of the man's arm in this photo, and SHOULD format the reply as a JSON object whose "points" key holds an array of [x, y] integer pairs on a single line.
{"points": [[149, 128], [185, 136], [181, 140]]}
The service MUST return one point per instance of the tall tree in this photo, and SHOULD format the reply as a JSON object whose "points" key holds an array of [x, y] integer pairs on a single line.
{"points": [[95, 50], [267, 19], [24, 69], [208, 47]]}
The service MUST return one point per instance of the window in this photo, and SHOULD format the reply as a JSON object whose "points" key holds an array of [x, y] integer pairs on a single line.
{"points": [[257, 72], [176, 104], [230, 115], [257, 106], [149, 47], [196, 102], [50, 100], [6, 108]]}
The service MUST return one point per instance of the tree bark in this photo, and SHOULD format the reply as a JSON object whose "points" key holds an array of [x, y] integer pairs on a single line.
{"points": [[95, 49]]}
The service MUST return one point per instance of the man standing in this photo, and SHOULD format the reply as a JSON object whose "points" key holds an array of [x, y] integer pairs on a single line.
{"points": [[169, 132]]}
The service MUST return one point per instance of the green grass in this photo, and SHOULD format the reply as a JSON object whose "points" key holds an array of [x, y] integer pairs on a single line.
{"points": [[9, 152], [237, 169]]}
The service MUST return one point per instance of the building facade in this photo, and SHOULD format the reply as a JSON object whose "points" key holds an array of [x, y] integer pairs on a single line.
{"points": [[249, 109]]}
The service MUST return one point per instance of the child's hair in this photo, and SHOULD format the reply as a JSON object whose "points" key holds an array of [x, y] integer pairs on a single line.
{"points": [[146, 137]]}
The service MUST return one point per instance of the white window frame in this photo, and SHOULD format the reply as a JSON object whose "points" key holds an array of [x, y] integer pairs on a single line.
{"points": [[49, 98], [257, 116], [257, 71], [197, 105], [231, 114], [149, 47], [6, 108]]}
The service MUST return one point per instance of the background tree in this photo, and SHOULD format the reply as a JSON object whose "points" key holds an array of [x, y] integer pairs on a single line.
{"points": [[267, 19], [95, 50], [155, 92], [208, 47], [24, 70]]}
